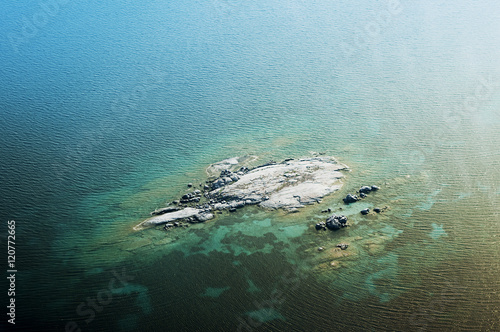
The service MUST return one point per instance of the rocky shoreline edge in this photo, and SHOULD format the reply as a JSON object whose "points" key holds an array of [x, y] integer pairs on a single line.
{"points": [[288, 185]]}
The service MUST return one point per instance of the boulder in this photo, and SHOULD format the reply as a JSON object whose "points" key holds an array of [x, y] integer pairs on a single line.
{"points": [[332, 223], [365, 189], [351, 199], [375, 188], [218, 184], [365, 211], [335, 222]]}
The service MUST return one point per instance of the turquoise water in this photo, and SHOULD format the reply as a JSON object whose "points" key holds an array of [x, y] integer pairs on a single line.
{"points": [[110, 109]]}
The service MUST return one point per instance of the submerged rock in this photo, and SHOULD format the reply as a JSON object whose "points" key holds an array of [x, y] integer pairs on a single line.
{"points": [[342, 246]]}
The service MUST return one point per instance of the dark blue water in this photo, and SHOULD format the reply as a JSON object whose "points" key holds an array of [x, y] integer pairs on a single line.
{"points": [[108, 110]]}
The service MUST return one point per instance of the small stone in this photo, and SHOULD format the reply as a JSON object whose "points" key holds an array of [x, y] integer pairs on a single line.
{"points": [[321, 248], [320, 226], [342, 246], [375, 188]]}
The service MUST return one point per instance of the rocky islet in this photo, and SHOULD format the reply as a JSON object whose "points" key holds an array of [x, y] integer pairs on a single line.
{"points": [[288, 185]]}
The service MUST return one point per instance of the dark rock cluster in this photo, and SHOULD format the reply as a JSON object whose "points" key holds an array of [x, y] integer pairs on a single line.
{"points": [[226, 177], [363, 191], [213, 202], [351, 199], [192, 197], [333, 223], [234, 189]]}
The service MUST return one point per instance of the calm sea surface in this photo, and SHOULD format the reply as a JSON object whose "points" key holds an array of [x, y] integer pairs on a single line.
{"points": [[109, 109]]}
